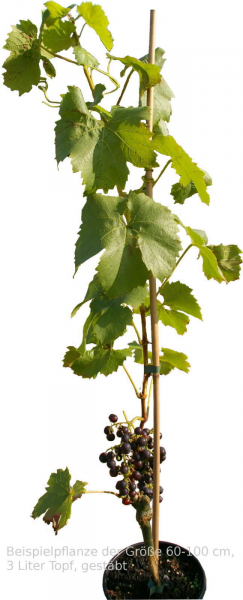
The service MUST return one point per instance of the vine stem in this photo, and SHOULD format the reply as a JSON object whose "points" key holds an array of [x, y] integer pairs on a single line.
{"points": [[61, 57], [100, 492], [163, 170], [178, 262], [124, 87], [132, 382], [154, 325], [145, 362], [138, 334]]}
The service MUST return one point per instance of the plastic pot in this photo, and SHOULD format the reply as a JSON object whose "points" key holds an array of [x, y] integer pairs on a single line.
{"points": [[171, 550]]}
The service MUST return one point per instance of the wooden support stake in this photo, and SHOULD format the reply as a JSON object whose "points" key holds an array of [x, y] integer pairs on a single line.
{"points": [[154, 321]]}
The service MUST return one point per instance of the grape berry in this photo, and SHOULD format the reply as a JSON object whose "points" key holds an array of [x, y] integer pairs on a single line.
{"points": [[135, 450]]}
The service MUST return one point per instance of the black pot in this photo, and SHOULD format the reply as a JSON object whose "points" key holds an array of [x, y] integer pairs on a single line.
{"points": [[197, 567]]}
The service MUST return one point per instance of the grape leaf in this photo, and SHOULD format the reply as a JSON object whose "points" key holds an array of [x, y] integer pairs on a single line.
{"points": [[149, 75], [58, 37], [173, 318], [183, 164], [228, 259], [56, 503], [112, 321], [107, 321], [100, 150], [22, 66], [180, 192], [98, 360], [147, 242], [162, 97], [177, 360], [133, 298], [49, 67], [156, 232], [98, 95], [85, 58], [95, 17], [178, 296], [210, 265], [55, 11], [168, 361]]}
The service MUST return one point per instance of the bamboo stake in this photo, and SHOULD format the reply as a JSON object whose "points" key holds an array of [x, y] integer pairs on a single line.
{"points": [[154, 322]]}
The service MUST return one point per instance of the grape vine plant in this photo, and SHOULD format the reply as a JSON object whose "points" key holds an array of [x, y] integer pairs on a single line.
{"points": [[136, 235]]}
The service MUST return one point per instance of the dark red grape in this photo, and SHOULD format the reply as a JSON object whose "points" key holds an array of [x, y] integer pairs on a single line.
{"points": [[136, 475], [134, 445], [119, 433], [146, 454], [137, 456], [126, 448], [162, 451], [111, 464], [107, 429], [132, 486], [124, 429], [132, 494], [110, 437], [103, 457], [126, 501], [125, 437], [113, 418], [124, 469], [110, 455], [114, 472], [118, 485], [138, 430], [151, 445], [160, 435], [138, 465], [141, 441], [146, 430], [160, 499], [161, 490], [123, 483]]}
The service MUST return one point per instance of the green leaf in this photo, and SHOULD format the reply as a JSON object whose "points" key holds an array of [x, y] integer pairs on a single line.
{"points": [[133, 298], [84, 58], [22, 66], [136, 297], [58, 37], [173, 318], [78, 489], [183, 164], [162, 97], [228, 259], [49, 67], [113, 320], [95, 17], [55, 11], [147, 242], [176, 360], [98, 95], [181, 193], [57, 501], [178, 296], [155, 228], [149, 75], [210, 265], [71, 355], [168, 361], [100, 150], [98, 360]]}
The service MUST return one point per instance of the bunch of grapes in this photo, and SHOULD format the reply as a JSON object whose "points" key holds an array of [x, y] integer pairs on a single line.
{"points": [[132, 458]]}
